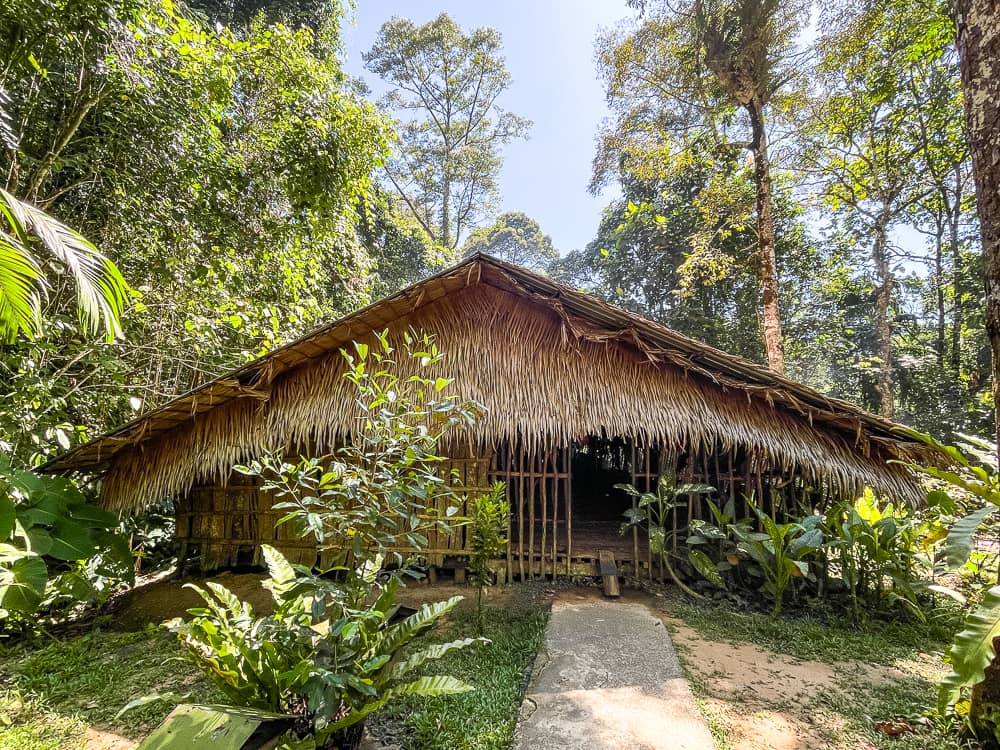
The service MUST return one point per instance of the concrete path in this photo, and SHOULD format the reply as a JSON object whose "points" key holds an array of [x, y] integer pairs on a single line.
{"points": [[608, 678]]}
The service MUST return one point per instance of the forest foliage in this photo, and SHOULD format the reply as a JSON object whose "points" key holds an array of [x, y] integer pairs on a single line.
{"points": [[248, 189]]}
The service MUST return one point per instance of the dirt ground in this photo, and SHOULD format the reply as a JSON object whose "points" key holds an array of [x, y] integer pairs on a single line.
{"points": [[767, 701], [159, 599]]}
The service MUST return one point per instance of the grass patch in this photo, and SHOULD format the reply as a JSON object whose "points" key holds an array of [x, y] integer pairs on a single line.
{"points": [[54, 693], [863, 704], [805, 637], [485, 718]]}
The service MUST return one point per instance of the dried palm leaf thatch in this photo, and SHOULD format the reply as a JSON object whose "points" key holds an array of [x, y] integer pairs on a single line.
{"points": [[546, 367]]}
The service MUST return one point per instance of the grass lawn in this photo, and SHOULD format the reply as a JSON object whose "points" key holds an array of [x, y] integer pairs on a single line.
{"points": [[64, 695], [802, 683], [483, 719], [53, 695]]}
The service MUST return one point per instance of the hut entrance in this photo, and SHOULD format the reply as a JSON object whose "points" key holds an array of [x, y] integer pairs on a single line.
{"points": [[600, 463]]}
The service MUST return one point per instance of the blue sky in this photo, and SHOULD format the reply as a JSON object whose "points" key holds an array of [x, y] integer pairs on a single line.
{"points": [[549, 46]]}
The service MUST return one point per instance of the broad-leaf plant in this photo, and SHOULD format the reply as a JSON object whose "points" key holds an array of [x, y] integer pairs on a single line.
{"points": [[334, 649]]}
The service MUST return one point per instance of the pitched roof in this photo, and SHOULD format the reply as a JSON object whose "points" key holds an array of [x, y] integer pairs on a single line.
{"points": [[579, 316]]}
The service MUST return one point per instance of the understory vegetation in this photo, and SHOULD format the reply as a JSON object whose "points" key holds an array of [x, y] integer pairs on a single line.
{"points": [[53, 693], [483, 719], [862, 563]]}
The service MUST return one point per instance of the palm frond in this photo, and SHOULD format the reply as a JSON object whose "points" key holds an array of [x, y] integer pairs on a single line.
{"points": [[21, 288], [102, 292]]}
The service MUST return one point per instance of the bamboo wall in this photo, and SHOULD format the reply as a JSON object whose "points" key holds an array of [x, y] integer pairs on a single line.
{"points": [[224, 525]]}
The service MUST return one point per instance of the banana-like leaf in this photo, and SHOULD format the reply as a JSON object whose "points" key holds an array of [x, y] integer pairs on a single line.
{"points": [[962, 535], [972, 651], [704, 565], [399, 670], [949, 592], [983, 451], [405, 631]]}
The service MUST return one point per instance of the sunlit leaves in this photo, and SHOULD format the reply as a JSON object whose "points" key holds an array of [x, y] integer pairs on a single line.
{"points": [[101, 291]]}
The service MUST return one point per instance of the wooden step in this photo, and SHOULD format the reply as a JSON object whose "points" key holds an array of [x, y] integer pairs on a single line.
{"points": [[609, 573]]}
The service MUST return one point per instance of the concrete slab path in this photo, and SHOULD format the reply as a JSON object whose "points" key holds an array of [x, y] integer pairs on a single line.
{"points": [[608, 678]]}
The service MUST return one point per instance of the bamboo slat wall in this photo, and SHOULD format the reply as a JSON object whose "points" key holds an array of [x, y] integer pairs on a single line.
{"points": [[226, 524]]}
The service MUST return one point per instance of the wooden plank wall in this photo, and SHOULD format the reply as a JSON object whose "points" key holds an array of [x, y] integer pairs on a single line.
{"points": [[227, 524]]}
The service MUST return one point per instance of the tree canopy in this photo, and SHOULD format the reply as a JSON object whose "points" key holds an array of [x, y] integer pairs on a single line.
{"points": [[445, 88]]}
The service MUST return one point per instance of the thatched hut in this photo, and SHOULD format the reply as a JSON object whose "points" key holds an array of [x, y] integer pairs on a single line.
{"points": [[578, 396]]}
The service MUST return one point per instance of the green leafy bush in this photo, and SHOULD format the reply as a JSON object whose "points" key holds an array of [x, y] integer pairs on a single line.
{"points": [[866, 556], [973, 476], [779, 550], [330, 654], [650, 514], [56, 548], [318, 656], [487, 538]]}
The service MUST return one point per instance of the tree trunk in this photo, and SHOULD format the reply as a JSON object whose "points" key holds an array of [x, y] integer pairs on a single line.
{"points": [[768, 266], [958, 317], [978, 42], [940, 342], [446, 210], [883, 325]]}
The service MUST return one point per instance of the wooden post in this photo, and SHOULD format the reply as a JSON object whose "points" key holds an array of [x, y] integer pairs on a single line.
{"points": [[731, 460], [761, 500], [569, 508], [505, 446], [555, 508], [747, 486], [531, 514], [520, 509], [609, 573], [543, 482], [635, 529]]}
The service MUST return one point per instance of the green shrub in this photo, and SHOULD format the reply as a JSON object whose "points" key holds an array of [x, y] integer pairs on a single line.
{"points": [[487, 538], [330, 653]]}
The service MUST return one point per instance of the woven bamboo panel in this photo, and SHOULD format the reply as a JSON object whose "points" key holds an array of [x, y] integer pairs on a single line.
{"points": [[227, 524]]}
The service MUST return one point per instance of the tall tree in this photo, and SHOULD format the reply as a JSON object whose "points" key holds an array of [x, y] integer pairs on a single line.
{"points": [[699, 80], [446, 86], [747, 45], [978, 41], [516, 238], [861, 130]]}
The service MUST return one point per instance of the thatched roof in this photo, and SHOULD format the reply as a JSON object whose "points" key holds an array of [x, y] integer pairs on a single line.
{"points": [[548, 363]]}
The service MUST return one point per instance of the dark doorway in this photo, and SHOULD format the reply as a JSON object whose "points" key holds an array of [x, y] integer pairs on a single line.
{"points": [[599, 463]]}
